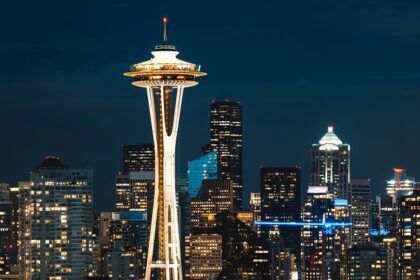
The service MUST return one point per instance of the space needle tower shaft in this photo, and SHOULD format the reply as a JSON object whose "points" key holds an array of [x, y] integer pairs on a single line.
{"points": [[164, 76]]}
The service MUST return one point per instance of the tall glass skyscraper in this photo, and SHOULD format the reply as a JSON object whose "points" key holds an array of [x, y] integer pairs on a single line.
{"points": [[202, 168], [331, 164], [60, 222], [226, 138]]}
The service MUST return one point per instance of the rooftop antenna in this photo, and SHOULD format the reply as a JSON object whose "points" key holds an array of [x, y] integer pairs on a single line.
{"points": [[165, 36]]}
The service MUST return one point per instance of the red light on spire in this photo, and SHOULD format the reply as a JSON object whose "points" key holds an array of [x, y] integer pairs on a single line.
{"points": [[165, 20]]}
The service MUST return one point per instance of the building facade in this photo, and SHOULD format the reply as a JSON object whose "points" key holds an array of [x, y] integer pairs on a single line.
{"points": [[331, 164], [202, 168], [216, 197], [325, 235], [408, 237], [206, 256], [280, 202], [126, 259], [57, 222], [368, 262], [226, 139], [139, 157], [360, 211]]}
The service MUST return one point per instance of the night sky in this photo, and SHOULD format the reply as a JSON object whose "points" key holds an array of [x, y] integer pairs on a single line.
{"points": [[296, 66]]}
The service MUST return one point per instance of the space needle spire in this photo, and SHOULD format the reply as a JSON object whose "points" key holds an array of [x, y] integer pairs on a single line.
{"points": [[164, 77]]}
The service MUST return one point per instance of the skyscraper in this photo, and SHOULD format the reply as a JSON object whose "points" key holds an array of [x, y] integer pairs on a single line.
{"points": [[360, 211], [14, 198], [216, 197], [104, 241], [60, 222], [122, 192], [280, 201], [206, 256], [134, 191], [400, 185], [127, 257], [165, 77], [138, 158], [367, 262], [202, 168], [331, 164], [325, 235], [6, 237], [408, 226], [25, 215], [245, 254], [226, 138], [255, 204]]}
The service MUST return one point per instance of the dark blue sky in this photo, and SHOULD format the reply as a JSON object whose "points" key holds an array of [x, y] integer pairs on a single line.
{"points": [[296, 66]]}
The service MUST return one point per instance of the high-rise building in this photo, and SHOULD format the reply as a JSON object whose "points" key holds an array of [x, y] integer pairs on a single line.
{"points": [[400, 185], [255, 204], [202, 168], [4, 191], [8, 229], [142, 187], [6, 237], [165, 77], [325, 235], [134, 191], [226, 138], [387, 215], [216, 197], [184, 202], [126, 256], [138, 158], [245, 254], [280, 202], [205, 256], [384, 230], [342, 236], [331, 164], [408, 227], [121, 264], [122, 192], [282, 263], [14, 198], [360, 211], [24, 243], [59, 223], [368, 262], [104, 241]]}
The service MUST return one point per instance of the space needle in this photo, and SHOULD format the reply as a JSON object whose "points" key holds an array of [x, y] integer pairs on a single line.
{"points": [[164, 76]]}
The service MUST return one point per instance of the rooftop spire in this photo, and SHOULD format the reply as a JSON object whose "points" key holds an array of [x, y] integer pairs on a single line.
{"points": [[165, 36]]}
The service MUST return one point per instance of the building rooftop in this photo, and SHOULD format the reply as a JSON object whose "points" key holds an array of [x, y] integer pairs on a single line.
{"points": [[330, 138], [51, 162]]}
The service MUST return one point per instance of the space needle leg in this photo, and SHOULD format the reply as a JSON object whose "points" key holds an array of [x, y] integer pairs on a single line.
{"points": [[152, 234], [177, 237]]}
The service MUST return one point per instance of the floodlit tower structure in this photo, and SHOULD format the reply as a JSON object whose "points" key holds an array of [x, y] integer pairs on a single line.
{"points": [[164, 76], [401, 185]]}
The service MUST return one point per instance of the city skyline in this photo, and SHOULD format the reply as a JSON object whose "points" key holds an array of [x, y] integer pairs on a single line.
{"points": [[73, 69], [183, 202]]}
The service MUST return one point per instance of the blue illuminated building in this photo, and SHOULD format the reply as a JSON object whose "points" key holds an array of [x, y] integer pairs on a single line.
{"points": [[202, 168]]}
